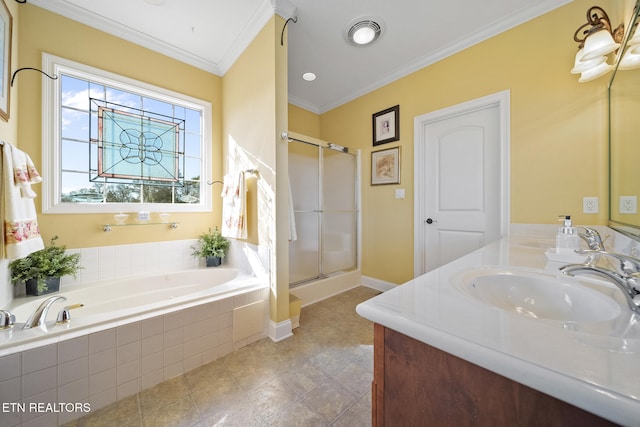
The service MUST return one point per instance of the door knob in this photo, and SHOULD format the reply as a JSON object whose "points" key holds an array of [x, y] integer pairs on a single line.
{"points": [[430, 221]]}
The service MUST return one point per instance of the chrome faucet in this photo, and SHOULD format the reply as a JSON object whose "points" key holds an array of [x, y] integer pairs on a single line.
{"points": [[39, 317], [626, 278], [593, 239]]}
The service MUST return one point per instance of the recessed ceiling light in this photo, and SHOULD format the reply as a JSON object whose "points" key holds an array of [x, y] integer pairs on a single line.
{"points": [[363, 31], [309, 77]]}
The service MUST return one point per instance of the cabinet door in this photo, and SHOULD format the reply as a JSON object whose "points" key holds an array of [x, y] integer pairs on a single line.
{"points": [[419, 385]]}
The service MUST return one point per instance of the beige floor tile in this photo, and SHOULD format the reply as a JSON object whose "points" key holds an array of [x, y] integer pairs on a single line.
{"points": [[319, 377], [178, 413], [298, 414], [123, 412], [162, 394], [329, 399]]}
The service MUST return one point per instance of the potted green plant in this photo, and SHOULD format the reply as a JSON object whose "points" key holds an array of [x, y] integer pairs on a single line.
{"points": [[41, 271], [212, 246]]}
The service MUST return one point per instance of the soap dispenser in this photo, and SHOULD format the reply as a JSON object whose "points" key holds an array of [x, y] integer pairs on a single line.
{"points": [[567, 240]]}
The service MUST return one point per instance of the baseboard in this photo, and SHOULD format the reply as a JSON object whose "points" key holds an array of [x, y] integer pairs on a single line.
{"points": [[378, 284], [280, 331]]}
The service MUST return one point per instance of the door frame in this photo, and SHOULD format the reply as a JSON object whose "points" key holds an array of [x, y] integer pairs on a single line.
{"points": [[502, 101]]}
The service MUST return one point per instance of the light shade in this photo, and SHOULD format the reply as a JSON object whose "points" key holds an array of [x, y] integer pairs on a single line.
{"points": [[635, 38], [600, 43], [630, 60], [595, 72], [580, 66]]}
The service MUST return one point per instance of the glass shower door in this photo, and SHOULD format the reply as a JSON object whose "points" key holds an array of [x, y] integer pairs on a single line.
{"points": [[339, 212], [304, 180]]}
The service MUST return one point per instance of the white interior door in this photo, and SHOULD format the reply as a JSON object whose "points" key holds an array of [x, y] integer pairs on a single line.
{"points": [[460, 182]]}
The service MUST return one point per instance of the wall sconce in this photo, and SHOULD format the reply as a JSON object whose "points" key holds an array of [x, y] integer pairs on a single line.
{"points": [[596, 41]]}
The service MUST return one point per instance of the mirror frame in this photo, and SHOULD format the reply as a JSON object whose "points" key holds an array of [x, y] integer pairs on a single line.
{"points": [[630, 230]]}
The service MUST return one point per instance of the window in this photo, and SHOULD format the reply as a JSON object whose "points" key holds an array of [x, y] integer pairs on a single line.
{"points": [[114, 144]]}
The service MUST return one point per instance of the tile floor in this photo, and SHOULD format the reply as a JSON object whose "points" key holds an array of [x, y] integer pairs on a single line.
{"points": [[319, 377]]}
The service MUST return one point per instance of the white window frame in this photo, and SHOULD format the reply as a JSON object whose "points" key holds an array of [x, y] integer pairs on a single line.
{"points": [[51, 138]]}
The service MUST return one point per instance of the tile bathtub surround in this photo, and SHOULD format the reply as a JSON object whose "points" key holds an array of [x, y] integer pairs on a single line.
{"points": [[123, 261], [112, 364], [321, 376]]}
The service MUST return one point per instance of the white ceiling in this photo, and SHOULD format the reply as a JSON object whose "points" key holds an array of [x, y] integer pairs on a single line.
{"points": [[211, 34]]}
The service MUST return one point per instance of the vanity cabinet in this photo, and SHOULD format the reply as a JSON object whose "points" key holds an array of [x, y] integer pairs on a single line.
{"points": [[419, 385]]}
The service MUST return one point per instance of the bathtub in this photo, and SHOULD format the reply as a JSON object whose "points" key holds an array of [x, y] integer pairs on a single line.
{"points": [[130, 335], [112, 303]]}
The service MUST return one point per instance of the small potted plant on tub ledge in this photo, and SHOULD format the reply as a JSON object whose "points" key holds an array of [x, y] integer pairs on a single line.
{"points": [[41, 271], [212, 246]]}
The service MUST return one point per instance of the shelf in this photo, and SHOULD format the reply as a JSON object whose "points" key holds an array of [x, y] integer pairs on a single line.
{"points": [[172, 225]]}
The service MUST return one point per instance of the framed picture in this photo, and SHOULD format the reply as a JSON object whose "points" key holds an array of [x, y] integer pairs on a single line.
{"points": [[6, 25], [386, 125], [385, 166]]}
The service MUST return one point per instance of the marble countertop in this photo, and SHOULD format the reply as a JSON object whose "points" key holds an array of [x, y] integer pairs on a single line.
{"points": [[594, 366]]}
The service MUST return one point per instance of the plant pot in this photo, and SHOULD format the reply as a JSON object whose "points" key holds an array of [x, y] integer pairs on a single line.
{"points": [[213, 261], [53, 285]]}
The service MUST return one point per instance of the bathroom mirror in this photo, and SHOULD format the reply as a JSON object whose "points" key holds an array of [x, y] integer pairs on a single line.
{"points": [[624, 139]]}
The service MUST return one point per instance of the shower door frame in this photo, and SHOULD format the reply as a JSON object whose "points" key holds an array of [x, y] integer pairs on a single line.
{"points": [[320, 145]]}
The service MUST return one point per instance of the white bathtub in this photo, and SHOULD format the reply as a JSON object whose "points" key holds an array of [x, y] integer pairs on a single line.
{"points": [[112, 303]]}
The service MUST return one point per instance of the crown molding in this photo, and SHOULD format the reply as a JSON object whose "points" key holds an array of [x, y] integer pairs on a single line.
{"points": [[266, 10], [456, 46]]}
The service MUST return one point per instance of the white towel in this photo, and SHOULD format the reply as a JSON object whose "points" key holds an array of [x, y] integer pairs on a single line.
{"points": [[234, 207], [21, 232]]}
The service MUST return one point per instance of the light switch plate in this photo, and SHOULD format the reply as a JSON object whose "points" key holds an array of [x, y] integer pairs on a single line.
{"points": [[399, 193]]}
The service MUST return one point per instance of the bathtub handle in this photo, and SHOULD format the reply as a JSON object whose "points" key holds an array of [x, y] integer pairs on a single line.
{"points": [[64, 316], [7, 320]]}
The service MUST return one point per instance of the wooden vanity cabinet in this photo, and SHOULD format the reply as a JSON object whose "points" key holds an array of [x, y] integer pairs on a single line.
{"points": [[418, 385]]}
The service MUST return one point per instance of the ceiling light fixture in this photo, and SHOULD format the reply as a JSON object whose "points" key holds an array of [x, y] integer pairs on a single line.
{"points": [[597, 39], [363, 31], [309, 77]]}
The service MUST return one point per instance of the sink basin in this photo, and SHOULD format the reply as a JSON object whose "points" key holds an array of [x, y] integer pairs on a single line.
{"points": [[537, 294]]}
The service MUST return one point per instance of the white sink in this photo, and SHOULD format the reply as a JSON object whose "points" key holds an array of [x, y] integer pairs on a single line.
{"points": [[537, 294]]}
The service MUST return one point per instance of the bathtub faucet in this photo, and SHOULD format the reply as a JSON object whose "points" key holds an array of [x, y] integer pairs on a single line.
{"points": [[39, 317]]}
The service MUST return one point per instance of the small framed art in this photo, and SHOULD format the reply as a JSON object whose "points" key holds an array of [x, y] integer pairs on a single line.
{"points": [[386, 125], [385, 166], [6, 27]]}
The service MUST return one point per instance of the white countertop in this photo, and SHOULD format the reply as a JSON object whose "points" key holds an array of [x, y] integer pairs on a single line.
{"points": [[594, 366]]}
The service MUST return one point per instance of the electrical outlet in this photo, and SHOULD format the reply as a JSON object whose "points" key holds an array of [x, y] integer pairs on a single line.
{"points": [[590, 205], [628, 204]]}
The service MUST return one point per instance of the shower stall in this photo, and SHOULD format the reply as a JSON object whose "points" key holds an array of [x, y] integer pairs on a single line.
{"points": [[324, 242]]}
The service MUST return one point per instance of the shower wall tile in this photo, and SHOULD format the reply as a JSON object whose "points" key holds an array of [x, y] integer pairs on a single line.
{"points": [[73, 349], [39, 358], [10, 366], [73, 370], [101, 382], [39, 381], [101, 341], [100, 362], [128, 333]]}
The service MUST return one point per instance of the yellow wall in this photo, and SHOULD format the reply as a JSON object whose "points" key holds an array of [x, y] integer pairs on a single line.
{"points": [[9, 128], [303, 121], [558, 132], [42, 31], [255, 103]]}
